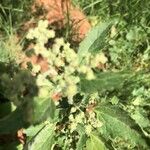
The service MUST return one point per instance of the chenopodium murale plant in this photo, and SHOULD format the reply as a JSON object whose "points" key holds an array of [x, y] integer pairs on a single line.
{"points": [[62, 77], [64, 68]]}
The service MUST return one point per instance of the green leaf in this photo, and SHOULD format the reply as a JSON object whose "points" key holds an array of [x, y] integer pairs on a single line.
{"points": [[95, 143], [41, 105], [140, 117], [52, 109], [12, 122], [43, 108], [104, 81], [34, 112], [95, 39], [117, 123], [81, 142], [44, 140], [82, 137], [33, 130], [5, 109]]}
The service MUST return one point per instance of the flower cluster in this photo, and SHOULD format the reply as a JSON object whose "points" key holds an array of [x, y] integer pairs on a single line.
{"points": [[88, 120], [61, 78], [58, 69], [41, 33]]}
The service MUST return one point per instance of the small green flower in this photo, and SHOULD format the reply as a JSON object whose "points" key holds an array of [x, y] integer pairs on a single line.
{"points": [[30, 34], [83, 69], [41, 33], [51, 34], [79, 118], [90, 75], [73, 126], [42, 81], [71, 118], [59, 41], [88, 129], [43, 24], [44, 92], [36, 68], [73, 110], [71, 90], [56, 49]]}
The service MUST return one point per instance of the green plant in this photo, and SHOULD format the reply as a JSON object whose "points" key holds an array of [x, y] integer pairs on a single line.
{"points": [[73, 102], [94, 98]]}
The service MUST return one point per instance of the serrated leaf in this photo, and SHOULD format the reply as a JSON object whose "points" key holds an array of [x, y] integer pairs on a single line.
{"points": [[94, 40], [141, 118], [117, 123], [104, 81], [95, 143], [43, 140]]}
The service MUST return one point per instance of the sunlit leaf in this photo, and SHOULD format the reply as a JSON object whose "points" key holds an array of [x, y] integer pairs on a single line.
{"points": [[95, 39], [117, 123], [95, 143], [105, 81], [43, 140]]}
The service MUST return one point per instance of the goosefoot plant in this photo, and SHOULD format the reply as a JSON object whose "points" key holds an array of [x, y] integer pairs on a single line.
{"points": [[69, 111], [58, 76], [60, 83]]}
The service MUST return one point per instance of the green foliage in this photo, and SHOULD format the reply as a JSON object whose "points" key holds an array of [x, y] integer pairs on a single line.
{"points": [[12, 14], [131, 11], [105, 81], [119, 124], [14, 86], [46, 133], [81, 142], [99, 104], [95, 39], [43, 108], [94, 143], [131, 45], [12, 122], [132, 30]]}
